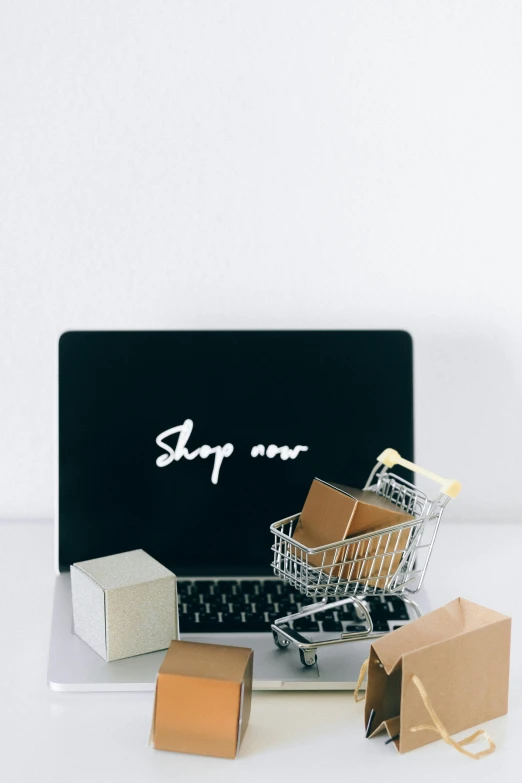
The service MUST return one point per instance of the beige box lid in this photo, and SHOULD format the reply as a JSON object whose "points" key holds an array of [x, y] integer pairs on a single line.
{"points": [[124, 569]]}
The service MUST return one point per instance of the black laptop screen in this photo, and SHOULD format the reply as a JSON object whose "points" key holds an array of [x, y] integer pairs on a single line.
{"points": [[190, 444]]}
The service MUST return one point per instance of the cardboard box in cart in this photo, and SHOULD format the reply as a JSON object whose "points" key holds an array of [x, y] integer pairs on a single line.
{"points": [[334, 512]]}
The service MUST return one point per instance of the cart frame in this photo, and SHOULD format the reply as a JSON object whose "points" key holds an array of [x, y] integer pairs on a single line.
{"points": [[388, 562]]}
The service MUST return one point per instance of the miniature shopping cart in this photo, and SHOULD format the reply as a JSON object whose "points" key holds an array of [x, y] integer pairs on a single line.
{"points": [[389, 562]]}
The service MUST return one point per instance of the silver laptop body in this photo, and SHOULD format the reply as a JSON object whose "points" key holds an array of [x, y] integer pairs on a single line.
{"points": [[73, 666]]}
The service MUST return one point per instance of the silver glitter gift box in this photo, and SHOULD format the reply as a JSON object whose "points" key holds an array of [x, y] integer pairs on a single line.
{"points": [[124, 604]]}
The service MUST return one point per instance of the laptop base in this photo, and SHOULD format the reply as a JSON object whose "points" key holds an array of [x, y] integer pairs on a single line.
{"points": [[74, 666]]}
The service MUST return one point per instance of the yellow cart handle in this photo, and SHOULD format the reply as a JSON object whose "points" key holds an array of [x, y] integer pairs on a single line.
{"points": [[390, 458]]}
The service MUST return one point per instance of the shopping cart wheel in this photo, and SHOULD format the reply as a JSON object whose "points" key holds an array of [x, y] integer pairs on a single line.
{"points": [[280, 641], [308, 657]]}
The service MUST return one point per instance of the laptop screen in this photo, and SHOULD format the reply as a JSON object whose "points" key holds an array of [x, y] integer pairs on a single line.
{"points": [[190, 444]]}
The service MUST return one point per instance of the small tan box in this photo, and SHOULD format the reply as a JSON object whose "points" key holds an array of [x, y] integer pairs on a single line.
{"points": [[334, 512], [203, 697]]}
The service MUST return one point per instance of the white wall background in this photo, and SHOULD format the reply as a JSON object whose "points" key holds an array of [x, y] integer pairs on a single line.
{"points": [[277, 163]]}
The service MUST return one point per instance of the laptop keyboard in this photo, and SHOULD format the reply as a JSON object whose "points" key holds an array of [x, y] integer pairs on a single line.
{"points": [[251, 606]]}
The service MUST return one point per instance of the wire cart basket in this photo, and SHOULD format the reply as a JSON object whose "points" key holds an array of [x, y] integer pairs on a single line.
{"points": [[389, 562]]}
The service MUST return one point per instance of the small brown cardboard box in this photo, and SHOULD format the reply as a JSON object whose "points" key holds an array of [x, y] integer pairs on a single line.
{"points": [[460, 655], [203, 697], [334, 512]]}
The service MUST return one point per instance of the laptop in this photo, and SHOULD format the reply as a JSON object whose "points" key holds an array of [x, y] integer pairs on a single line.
{"points": [[189, 445]]}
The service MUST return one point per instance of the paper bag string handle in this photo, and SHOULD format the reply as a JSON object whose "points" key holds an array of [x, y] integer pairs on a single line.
{"points": [[391, 457], [362, 675], [437, 725], [439, 728]]}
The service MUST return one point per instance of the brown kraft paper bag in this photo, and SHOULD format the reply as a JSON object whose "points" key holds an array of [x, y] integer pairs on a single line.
{"points": [[443, 673]]}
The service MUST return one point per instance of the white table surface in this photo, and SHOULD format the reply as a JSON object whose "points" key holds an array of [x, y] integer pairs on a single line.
{"points": [[46, 736]]}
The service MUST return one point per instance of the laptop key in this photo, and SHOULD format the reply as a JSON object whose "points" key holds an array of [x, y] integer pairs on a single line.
{"points": [[237, 606], [187, 622], [332, 625], [231, 624], [208, 623], [305, 624], [226, 586], [255, 626], [208, 617], [263, 606], [375, 605], [184, 588], [290, 609], [395, 601], [381, 626], [215, 601], [255, 622], [205, 627], [398, 611], [229, 617], [326, 616], [285, 588], [348, 612], [192, 601], [250, 587], [204, 586]]}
